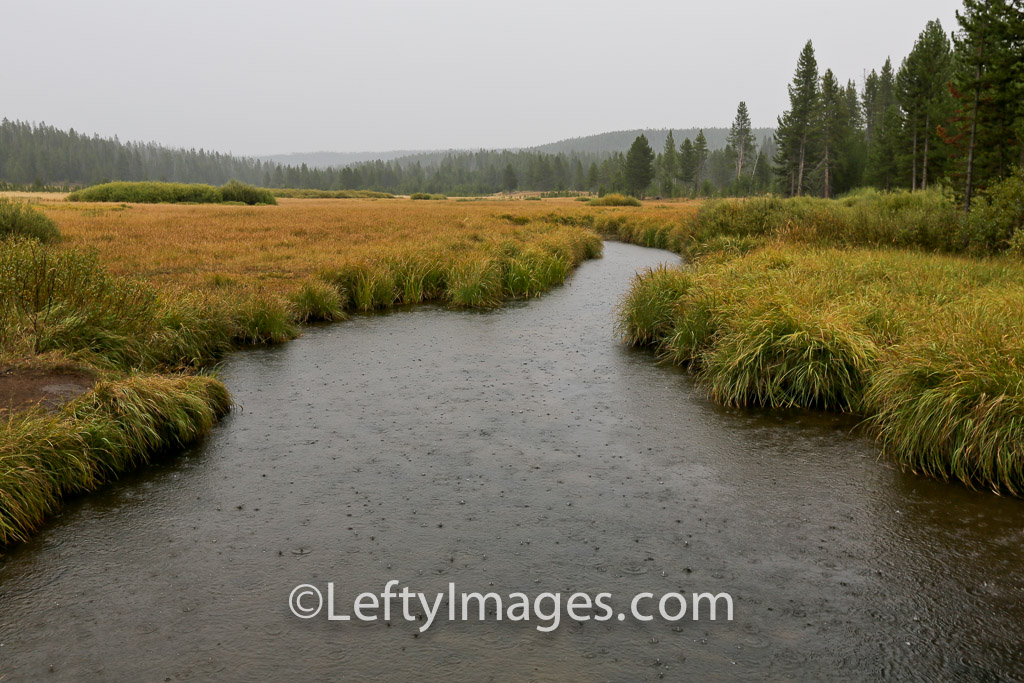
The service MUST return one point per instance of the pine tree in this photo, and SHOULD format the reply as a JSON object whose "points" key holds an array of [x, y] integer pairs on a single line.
{"points": [[793, 135], [921, 92], [831, 129], [639, 167], [700, 159], [988, 83], [741, 142], [669, 167], [687, 163], [509, 179], [851, 171], [885, 122]]}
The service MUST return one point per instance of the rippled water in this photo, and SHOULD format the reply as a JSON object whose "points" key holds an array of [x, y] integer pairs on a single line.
{"points": [[522, 449]]}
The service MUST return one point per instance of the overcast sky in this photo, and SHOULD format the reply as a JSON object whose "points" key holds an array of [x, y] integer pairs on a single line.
{"points": [[260, 77]]}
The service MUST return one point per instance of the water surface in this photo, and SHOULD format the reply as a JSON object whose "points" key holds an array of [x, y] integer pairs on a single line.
{"points": [[522, 449]]}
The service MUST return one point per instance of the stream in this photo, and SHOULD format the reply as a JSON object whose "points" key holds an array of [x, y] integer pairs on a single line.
{"points": [[521, 449]]}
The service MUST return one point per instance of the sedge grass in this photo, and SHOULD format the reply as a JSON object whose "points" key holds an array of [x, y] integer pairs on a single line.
{"points": [[116, 427], [928, 347]]}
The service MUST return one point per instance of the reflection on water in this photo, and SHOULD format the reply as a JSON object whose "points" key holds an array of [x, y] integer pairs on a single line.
{"points": [[517, 450]]}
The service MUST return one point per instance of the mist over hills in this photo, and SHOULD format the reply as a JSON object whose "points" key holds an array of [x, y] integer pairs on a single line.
{"points": [[599, 145]]}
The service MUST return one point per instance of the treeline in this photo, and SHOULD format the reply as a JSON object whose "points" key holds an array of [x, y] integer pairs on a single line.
{"points": [[41, 155], [952, 111]]}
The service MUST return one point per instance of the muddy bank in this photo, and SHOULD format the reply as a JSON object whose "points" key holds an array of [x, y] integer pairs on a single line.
{"points": [[522, 449], [24, 388]]}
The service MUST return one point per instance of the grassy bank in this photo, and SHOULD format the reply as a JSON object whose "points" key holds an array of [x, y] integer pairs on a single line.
{"points": [[119, 425], [783, 308]]}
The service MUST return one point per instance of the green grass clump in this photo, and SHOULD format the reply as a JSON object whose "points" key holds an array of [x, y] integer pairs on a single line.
{"points": [[951, 404], [317, 301], [929, 347], [149, 193], [426, 195], [65, 301], [115, 427], [21, 220], [262, 319], [476, 283], [236, 191], [648, 312], [615, 200], [173, 193]]}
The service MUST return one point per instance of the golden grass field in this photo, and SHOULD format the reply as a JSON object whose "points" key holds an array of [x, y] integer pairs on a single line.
{"points": [[275, 248]]}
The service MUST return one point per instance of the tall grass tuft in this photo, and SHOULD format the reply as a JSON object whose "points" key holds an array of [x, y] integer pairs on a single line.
{"points": [[648, 312], [263, 319], [317, 301], [21, 220], [474, 283]]}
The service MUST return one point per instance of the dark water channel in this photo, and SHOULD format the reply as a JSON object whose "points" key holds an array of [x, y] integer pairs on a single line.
{"points": [[522, 449]]}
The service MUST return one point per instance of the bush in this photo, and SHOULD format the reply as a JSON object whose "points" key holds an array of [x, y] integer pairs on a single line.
{"points": [[149, 193], [615, 200], [174, 193], [235, 191], [426, 195], [996, 221], [20, 220]]}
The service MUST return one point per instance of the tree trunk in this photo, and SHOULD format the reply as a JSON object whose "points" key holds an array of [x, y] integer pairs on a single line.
{"points": [[800, 173], [969, 187], [828, 176], [913, 173], [924, 169]]}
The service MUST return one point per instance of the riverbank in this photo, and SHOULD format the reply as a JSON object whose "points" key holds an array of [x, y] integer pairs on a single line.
{"points": [[851, 306]]}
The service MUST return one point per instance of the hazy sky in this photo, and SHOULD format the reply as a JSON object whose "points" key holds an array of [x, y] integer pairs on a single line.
{"points": [[260, 77]]}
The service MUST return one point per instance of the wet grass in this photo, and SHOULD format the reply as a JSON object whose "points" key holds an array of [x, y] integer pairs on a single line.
{"points": [[929, 347], [117, 426]]}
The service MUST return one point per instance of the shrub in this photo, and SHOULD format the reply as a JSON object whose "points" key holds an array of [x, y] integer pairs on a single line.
{"points": [[615, 200], [149, 193], [996, 221], [235, 191], [426, 195], [20, 220]]}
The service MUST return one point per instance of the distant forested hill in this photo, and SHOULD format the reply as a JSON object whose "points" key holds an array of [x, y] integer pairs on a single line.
{"points": [[597, 146], [620, 140], [338, 159], [40, 155]]}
